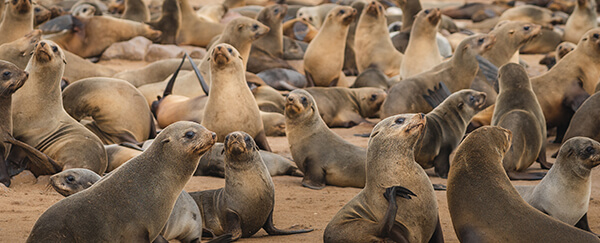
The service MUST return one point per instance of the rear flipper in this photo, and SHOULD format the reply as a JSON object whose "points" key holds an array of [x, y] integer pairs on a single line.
{"points": [[271, 230], [221, 239], [542, 158], [46, 164], [515, 175]]}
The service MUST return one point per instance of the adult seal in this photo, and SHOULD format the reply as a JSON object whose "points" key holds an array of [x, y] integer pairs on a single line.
{"points": [[245, 204], [422, 52], [323, 156], [477, 170], [152, 180], [584, 122], [16, 21], [373, 215]]}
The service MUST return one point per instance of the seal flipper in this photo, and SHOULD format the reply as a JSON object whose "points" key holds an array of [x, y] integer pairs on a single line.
{"points": [[233, 224], [387, 227], [515, 175], [47, 164], [542, 158], [309, 79], [489, 70], [314, 176], [583, 224], [4, 176], [442, 162], [271, 230], [221, 239], [261, 141], [436, 96]]}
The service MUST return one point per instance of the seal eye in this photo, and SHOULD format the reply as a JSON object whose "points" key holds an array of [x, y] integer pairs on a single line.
{"points": [[526, 28], [590, 150], [37, 10], [373, 97], [596, 35], [472, 99], [342, 11], [276, 11], [255, 27], [400, 120], [427, 11], [310, 19], [480, 41], [6, 74], [70, 179], [229, 50], [303, 100], [247, 139], [190, 134], [54, 49]]}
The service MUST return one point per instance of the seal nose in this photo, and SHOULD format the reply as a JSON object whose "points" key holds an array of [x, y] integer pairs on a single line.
{"points": [[214, 135], [42, 44], [219, 48], [290, 98]]}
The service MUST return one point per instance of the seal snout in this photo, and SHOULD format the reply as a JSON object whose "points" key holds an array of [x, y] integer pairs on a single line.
{"points": [[221, 54], [237, 142]]}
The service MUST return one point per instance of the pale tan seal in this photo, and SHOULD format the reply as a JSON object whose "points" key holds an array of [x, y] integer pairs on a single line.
{"points": [[373, 215], [564, 193], [245, 204], [118, 111], [154, 72], [268, 99], [195, 30], [580, 21], [510, 37], [497, 212], [323, 156], [326, 70], [17, 20], [231, 106], [163, 169], [372, 45], [40, 120], [422, 49]]}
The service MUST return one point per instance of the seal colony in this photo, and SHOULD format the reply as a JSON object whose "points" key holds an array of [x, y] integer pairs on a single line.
{"points": [[80, 114]]}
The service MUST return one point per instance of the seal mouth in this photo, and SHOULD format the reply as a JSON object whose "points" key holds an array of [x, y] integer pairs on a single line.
{"points": [[373, 9], [203, 147], [235, 144], [291, 108], [42, 55], [23, 7], [434, 15], [220, 56], [349, 17]]}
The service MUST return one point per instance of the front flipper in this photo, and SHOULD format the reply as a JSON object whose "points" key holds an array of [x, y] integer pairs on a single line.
{"points": [[442, 162], [233, 224], [542, 159], [390, 215], [45, 163], [314, 175], [515, 175], [271, 230]]}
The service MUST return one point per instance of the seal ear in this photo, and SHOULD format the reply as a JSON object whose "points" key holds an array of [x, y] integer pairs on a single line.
{"points": [[240, 27], [460, 105], [166, 140], [511, 32]]}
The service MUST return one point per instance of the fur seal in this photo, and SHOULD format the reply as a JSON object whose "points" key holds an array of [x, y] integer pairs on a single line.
{"points": [[78, 68], [195, 30], [71, 181], [169, 22], [90, 36], [518, 110], [171, 159], [272, 42], [371, 77], [17, 51], [446, 125], [562, 89], [372, 45], [315, 15], [17, 20], [136, 10], [372, 215], [345, 107], [245, 204], [422, 49], [477, 170], [457, 73], [564, 193], [283, 79], [40, 120], [230, 86], [268, 99], [118, 110], [580, 21], [298, 29], [510, 37], [584, 122], [310, 140], [154, 72], [326, 70], [274, 123]]}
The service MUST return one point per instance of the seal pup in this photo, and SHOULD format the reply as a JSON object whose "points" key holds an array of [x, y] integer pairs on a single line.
{"points": [[584, 122], [195, 30], [372, 215], [274, 123], [171, 159], [456, 73], [71, 181], [580, 21], [220, 115], [498, 212], [169, 22], [40, 120], [446, 125], [323, 156], [422, 49], [245, 204], [136, 10], [272, 42], [17, 20], [347, 107], [564, 193], [518, 110], [326, 70], [119, 112], [372, 45]]}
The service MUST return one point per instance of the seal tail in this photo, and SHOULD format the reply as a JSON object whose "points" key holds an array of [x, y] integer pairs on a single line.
{"points": [[436, 96]]}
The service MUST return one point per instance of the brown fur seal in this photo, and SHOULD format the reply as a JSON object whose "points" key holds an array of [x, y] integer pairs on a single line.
{"points": [[422, 52], [580, 21], [498, 212], [274, 123], [71, 181], [585, 120], [78, 68], [17, 20], [445, 128], [475, 11], [371, 77], [18, 51], [531, 14], [272, 42], [544, 43], [268, 99], [119, 154], [40, 120], [245, 204], [561, 90], [518, 110], [171, 159], [175, 108], [212, 163], [169, 22], [345, 107], [154, 72], [564, 193], [510, 37], [136, 10], [195, 30], [372, 45], [90, 36], [118, 110], [326, 70], [457, 73], [372, 215], [311, 144], [230, 86]]}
